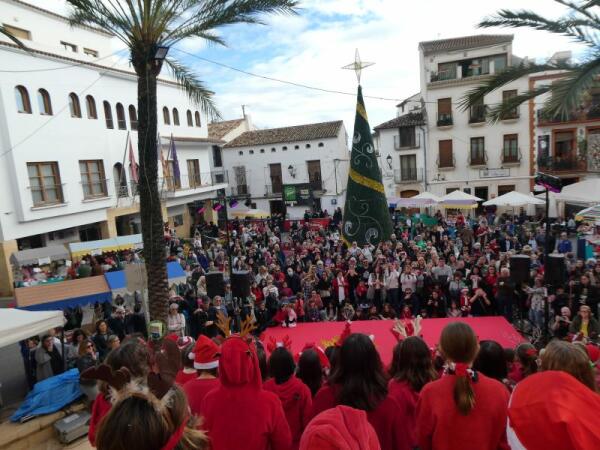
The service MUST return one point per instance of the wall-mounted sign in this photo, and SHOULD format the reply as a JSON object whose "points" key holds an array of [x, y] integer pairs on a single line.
{"points": [[299, 194], [494, 173]]}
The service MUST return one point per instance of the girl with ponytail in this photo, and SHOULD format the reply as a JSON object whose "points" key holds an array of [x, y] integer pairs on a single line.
{"points": [[464, 409]]}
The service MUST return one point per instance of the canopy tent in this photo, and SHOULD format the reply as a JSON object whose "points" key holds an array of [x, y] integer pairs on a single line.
{"points": [[514, 199], [592, 214], [57, 296], [16, 325], [459, 200], [175, 273], [79, 249], [422, 199], [40, 256], [117, 282], [585, 192], [251, 214]]}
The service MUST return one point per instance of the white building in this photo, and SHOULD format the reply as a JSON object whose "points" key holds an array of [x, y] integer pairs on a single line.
{"points": [[311, 161], [463, 150], [67, 107]]}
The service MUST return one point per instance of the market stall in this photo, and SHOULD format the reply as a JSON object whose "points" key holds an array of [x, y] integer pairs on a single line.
{"points": [[94, 248]]}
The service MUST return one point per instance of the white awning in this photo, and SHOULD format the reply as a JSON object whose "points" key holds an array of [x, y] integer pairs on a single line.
{"points": [[514, 199], [16, 324]]}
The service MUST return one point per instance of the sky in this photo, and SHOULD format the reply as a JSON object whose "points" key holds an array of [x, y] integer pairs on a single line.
{"points": [[311, 47]]}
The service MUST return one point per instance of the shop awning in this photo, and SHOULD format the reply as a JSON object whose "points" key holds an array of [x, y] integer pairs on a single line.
{"points": [[65, 294], [16, 325], [175, 273], [79, 249], [40, 256]]}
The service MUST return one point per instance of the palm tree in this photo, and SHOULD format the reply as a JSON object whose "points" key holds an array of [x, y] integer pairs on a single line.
{"points": [[582, 24], [144, 26]]}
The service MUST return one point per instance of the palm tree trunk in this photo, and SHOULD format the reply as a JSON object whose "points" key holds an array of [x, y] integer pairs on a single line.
{"points": [[150, 202]]}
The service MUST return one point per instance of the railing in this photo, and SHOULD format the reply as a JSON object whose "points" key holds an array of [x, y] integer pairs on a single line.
{"points": [[400, 144], [408, 175], [444, 120], [121, 190], [91, 186], [189, 181], [593, 112], [544, 117], [477, 113], [446, 164], [239, 190], [219, 176], [510, 115], [509, 156], [443, 75], [316, 184], [562, 164], [273, 190], [478, 158]]}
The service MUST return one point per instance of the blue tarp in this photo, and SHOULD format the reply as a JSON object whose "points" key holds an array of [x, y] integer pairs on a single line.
{"points": [[60, 305], [116, 280], [50, 395], [174, 270]]}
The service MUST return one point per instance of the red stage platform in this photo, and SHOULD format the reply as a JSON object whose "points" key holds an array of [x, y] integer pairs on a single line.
{"points": [[322, 333]]}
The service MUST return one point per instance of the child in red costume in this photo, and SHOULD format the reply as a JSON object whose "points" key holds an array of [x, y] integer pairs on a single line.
{"points": [[239, 414], [295, 396], [463, 409], [358, 380], [206, 362]]}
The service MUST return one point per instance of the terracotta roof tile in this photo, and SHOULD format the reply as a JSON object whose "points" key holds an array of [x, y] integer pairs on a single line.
{"points": [[406, 120], [464, 42], [218, 130], [53, 292], [208, 140], [287, 134]]}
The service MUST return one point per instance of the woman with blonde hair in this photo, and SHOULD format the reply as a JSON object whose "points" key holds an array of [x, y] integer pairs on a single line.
{"points": [[570, 358]]}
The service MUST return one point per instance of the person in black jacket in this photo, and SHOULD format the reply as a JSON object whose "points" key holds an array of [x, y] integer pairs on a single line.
{"points": [[101, 339], [136, 322], [117, 322]]}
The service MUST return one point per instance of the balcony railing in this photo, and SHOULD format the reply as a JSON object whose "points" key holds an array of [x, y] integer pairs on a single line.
{"points": [[405, 144], [444, 120], [122, 190], [443, 75], [273, 190], [477, 113], [478, 158], [510, 115], [593, 112], [188, 181], [240, 190], [544, 117], [316, 184], [509, 156], [408, 175], [446, 163], [562, 164]]}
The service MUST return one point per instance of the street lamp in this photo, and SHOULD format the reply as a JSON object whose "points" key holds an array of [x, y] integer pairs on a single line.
{"points": [[389, 161], [160, 54], [292, 171]]}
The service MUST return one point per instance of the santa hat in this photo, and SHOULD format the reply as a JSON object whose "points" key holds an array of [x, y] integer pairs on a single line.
{"points": [[323, 359], [184, 341], [340, 428], [551, 410], [205, 354]]}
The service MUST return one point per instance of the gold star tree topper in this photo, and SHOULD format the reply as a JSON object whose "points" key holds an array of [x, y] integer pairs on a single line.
{"points": [[358, 65]]}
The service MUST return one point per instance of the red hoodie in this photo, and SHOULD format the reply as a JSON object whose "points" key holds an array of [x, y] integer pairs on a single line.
{"points": [[100, 408], [296, 399], [196, 390], [239, 414], [407, 399]]}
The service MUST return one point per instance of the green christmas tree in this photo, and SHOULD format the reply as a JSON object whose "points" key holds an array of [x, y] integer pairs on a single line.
{"points": [[366, 215]]}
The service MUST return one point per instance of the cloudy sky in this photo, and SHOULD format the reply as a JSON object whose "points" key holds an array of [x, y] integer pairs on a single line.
{"points": [[311, 47]]}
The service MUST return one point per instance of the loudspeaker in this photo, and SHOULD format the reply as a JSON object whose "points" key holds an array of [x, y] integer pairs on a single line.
{"points": [[240, 284], [215, 284], [556, 270], [520, 269]]}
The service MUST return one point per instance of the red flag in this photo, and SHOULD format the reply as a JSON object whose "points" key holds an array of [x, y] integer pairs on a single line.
{"points": [[132, 163]]}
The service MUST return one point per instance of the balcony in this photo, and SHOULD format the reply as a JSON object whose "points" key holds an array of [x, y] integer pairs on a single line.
{"points": [[442, 75], [446, 163], [406, 144], [477, 114], [511, 157], [444, 120], [273, 190], [316, 184], [593, 112], [408, 175], [570, 163], [545, 118], [478, 158], [187, 182], [511, 115], [241, 190]]}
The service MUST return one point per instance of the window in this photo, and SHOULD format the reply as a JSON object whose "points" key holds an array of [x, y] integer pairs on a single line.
{"points": [[477, 151], [177, 220], [74, 106], [251, 152], [69, 47], [133, 121], [90, 52], [262, 150], [44, 103], [505, 189], [193, 167], [444, 112], [241, 153], [108, 115], [284, 148], [407, 137], [19, 33], [314, 175], [22, 97], [564, 146], [477, 112], [121, 122], [446, 71], [321, 144], [408, 168], [446, 158], [166, 117], [93, 180], [197, 118], [510, 150], [172, 176], [296, 147], [175, 117], [217, 156], [44, 182], [273, 150], [500, 63], [513, 113], [307, 145], [190, 119], [90, 105]]}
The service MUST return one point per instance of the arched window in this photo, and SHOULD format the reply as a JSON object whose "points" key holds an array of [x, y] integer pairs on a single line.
{"points": [[133, 117], [166, 117], [90, 105], [74, 105], [197, 117], [44, 103], [175, 117], [190, 119], [23, 103], [121, 123], [108, 115]]}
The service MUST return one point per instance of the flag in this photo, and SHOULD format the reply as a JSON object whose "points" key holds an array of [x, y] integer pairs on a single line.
{"points": [[132, 163], [176, 173], [161, 156], [366, 215]]}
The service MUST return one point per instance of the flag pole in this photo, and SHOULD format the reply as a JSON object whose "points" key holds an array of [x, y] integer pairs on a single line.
{"points": [[121, 174]]}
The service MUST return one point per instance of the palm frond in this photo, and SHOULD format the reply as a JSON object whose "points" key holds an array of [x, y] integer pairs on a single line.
{"points": [[504, 109], [12, 37], [194, 88]]}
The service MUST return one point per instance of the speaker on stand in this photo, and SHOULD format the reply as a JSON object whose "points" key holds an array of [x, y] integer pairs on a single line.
{"points": [[215, 284], [520, 272]]}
